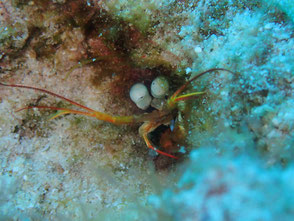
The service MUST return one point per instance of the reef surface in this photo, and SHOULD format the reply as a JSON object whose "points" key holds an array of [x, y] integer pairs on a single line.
{"points": [[239, 135]]}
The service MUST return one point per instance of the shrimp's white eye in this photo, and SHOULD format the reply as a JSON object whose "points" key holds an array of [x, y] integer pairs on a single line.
{"points": [[159, 87], [140, 96]]}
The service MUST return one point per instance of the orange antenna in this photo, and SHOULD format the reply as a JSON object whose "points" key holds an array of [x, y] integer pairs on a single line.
{"points": [[183, 87], [47, 92]]}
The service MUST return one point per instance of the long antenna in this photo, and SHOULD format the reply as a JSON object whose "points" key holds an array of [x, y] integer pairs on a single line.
{"points": [[48, 92], [196, 77]]}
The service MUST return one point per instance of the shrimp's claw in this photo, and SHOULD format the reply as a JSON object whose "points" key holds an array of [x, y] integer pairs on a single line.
{"points": [[144, 130]]}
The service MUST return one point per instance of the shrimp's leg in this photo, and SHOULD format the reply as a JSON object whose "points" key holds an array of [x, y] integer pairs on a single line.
{"points": [[144, 130]]}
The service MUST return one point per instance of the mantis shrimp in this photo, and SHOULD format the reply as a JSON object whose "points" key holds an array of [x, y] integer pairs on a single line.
{"points": [[150, 121]]}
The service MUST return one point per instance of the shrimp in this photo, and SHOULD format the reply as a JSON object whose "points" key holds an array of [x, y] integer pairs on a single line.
{"points": [[150, 121]]}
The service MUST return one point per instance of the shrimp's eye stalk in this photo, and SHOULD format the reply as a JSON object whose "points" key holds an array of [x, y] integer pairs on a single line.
{"points": [[159, 87], [140, 96]]}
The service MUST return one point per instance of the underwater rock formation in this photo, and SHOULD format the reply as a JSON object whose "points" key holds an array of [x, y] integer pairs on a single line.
{"points": [[239, 149]]}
